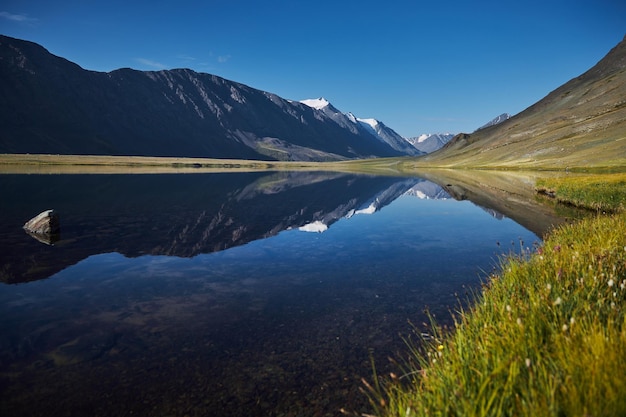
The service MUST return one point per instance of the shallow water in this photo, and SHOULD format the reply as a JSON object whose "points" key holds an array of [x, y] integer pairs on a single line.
{"points": [[203, 294]]}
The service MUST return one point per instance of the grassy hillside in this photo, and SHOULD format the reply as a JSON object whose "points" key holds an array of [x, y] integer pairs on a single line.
{"points": [[582, 124]]}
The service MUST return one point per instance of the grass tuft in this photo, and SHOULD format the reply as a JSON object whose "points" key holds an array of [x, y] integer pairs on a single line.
{"points": [[600, 192]]}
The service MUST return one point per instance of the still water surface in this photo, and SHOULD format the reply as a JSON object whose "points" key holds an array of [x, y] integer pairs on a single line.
{"points": [[226, 294]]}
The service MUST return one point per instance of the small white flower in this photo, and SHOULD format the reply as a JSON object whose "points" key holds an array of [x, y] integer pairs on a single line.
{"points": [[527, 362], [571, 321], [519, 321], [549, 287], [558, 301], [565, 327], [611, 282], [508, 308]]}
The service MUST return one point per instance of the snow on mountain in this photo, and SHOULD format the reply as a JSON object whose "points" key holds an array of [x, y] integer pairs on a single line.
{"points": [[371, 123], [430, 142], [497, 120], [388, 135], [316, 103], [314, 227], [360, 125], [427, 190]]}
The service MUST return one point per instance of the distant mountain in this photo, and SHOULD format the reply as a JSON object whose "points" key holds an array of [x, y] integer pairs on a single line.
{"points": [[361, 126], [51, 105], [503, 117], [580, 124], [430, 142]]}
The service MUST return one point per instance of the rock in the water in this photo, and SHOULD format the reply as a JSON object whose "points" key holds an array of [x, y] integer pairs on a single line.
{"points": [[45, 223]]}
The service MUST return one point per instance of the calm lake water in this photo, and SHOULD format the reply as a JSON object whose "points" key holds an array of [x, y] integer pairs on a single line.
{"points": [[256, 294]]}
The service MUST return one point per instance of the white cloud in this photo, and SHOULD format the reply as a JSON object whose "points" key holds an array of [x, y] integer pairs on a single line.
{"points": [[17, 17], [186, 57], [223, 58], [150, 63]]}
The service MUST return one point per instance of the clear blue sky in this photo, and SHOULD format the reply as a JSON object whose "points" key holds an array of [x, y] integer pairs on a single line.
{"points": [[419, 67]]}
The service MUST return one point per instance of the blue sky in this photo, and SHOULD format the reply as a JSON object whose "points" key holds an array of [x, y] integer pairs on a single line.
{"points": [[419, 67]]}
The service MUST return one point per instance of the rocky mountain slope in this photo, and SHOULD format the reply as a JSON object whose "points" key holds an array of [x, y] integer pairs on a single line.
{"points": [[430, 142], [362, 126], [580, 124], [51, 105]]}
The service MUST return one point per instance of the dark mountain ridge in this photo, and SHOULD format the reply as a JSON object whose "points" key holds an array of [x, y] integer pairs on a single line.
{"points": [[51, 105]]}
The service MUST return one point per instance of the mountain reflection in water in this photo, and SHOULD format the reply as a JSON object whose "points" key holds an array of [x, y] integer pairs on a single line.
{"points": [[203, 295], [174, 215]]}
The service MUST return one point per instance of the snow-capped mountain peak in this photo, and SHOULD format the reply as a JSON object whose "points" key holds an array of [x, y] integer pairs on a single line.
{"points": [[352, 117], [421, 138], [355, 124], [430, 142], [373, 123], [316, 103], [501, 118]]}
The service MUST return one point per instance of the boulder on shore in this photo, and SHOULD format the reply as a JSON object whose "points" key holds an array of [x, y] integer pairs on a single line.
{"points": [[45, 223]]}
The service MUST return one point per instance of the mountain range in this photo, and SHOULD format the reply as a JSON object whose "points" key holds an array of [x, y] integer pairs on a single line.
{"points": [[361, 126], [581, 124], [51, 105], [430, 142]]}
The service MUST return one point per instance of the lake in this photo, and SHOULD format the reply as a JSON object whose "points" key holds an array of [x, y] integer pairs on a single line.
{"points": [[235, 294]]}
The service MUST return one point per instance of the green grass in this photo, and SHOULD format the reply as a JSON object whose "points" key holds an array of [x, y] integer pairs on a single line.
{"points": [[601, 192], [545, 337]]}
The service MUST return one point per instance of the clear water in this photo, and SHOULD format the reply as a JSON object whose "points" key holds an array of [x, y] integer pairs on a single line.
{"points": [[200, 295]]}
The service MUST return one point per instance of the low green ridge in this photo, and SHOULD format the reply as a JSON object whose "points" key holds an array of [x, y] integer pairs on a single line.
{"points": [[545, 337]]}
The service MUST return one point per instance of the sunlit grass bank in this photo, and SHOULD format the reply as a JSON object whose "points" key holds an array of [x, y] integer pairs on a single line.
{"points": [[546, 337], [602, 192]]}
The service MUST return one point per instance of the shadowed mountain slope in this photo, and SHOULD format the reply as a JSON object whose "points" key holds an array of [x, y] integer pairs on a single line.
{"points": [[51, 105], [580, 124]]}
